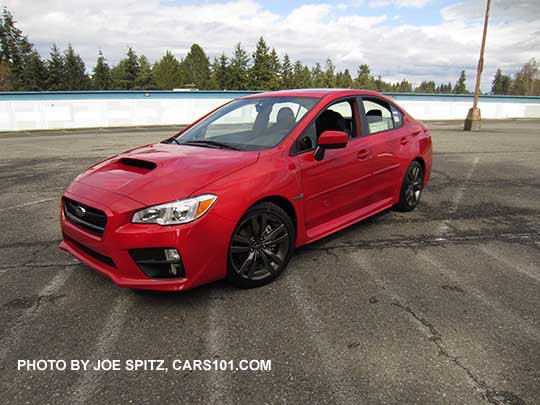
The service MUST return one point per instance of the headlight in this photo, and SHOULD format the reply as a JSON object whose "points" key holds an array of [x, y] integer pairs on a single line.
{"points": [[176, 212]]}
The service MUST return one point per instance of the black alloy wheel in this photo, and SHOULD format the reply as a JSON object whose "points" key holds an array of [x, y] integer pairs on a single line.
{"points": [[411, 188], [261, 245]]}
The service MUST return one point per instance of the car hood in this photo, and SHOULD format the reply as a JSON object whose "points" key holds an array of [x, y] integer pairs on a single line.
{"points": [[159, 173]]}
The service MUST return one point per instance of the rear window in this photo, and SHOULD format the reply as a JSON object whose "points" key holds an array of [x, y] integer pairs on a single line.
{"points": [[378, 115]]}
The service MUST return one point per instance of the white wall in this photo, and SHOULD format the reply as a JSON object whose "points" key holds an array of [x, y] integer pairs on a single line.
{"points": [[449, 110], [54, 112]]}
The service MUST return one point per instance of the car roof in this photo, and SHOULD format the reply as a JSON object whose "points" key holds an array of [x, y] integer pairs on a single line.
{"points": [[316, 93]]}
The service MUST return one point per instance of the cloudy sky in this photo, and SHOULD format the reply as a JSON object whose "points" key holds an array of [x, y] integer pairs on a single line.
{"points": [[413, 39]]}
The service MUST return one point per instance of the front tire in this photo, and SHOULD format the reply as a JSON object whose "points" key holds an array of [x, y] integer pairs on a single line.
{"points": [[261, 246], [411, 187]]}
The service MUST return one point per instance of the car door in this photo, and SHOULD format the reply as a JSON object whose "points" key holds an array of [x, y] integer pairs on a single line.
{"points": [[384, 124], [333, 186]]}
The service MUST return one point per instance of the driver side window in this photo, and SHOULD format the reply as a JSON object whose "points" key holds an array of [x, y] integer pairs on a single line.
{"points": [[337, 117]]}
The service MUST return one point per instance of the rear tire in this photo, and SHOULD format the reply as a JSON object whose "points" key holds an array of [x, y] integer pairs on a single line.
{"points": [[261, 246], [411, 187]]}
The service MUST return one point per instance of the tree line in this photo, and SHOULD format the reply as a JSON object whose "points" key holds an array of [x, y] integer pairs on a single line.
{"points": [[23, 69]]}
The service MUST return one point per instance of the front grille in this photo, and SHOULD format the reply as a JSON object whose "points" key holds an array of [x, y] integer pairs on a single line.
{"points": [[88, 218], [98, 256]]}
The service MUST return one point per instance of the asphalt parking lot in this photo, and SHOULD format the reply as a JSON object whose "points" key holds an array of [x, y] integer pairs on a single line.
{"points": [[441, 305]]}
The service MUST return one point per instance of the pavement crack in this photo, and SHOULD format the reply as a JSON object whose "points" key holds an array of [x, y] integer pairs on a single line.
{"points": [[29, 244], [33, 301], [424, 241], [35, 254], [37, 265], [488, 393]]}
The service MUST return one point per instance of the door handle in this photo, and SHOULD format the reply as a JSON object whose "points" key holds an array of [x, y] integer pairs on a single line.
{"points": [[363, 154], [415, 133], [404, 141]]}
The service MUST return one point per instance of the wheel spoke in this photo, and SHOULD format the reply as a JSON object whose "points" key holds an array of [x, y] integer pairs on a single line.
{"points": [[255, 227], [239, 249], [410, 197], [267, 264], [253, 265], [278, 239], [246, 265], [275, 258], [274, 233], [264, 221]]}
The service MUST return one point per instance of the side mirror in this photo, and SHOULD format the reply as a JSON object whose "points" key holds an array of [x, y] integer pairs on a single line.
{"points": [[330, 140]]}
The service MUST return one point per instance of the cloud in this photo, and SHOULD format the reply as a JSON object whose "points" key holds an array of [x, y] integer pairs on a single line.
{"points": [[310, 32], [398, 3], [507, 10]]}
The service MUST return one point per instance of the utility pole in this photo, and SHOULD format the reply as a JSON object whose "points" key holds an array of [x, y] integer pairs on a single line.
{"points": [[473, 121]]}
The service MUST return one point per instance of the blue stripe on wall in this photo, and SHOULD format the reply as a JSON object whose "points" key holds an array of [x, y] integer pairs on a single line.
{"points": [[162, 94]]}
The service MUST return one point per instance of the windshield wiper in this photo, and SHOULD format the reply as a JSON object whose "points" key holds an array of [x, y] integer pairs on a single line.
{"points": [[204, 142]]}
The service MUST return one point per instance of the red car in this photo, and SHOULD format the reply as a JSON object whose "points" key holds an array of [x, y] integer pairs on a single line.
{"points": [[234, 193]]}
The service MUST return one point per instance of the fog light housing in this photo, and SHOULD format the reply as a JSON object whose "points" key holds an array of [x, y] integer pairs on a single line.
{"points": [[159, 262], [173, 257]]}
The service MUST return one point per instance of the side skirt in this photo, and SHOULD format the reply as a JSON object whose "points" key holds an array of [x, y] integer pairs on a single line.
{"points": [[320, 231]]}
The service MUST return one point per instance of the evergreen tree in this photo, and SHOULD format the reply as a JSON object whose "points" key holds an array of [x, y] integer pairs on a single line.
{"points": [[197, 67], [34, 75], [345, 80], [329, 74], [338, 79], [125, 73], [166, 72], [445, 88], [75, 77], [261, 71], [404, 87], [301, 76], [238, 68], [506, 84], [15, 51], [381, 85], [131, 68], [55, 70], [286, 73], [461, 85], [144, 79], [221, 72], [426, 87], [213, 83], [5, 76], [101, 76], [364, 79], [496, 84], [318, 77], [275, 68], [440, 89]]}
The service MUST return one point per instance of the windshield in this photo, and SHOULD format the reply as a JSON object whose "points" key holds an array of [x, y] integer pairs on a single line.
{"points": [[249, 124]]}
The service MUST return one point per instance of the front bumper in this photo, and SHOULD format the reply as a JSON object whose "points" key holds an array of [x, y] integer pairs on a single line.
{"points": [[203, 244]]}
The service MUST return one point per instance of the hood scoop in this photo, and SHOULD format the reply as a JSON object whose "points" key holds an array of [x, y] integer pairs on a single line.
{"points": [[136, 165]]}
